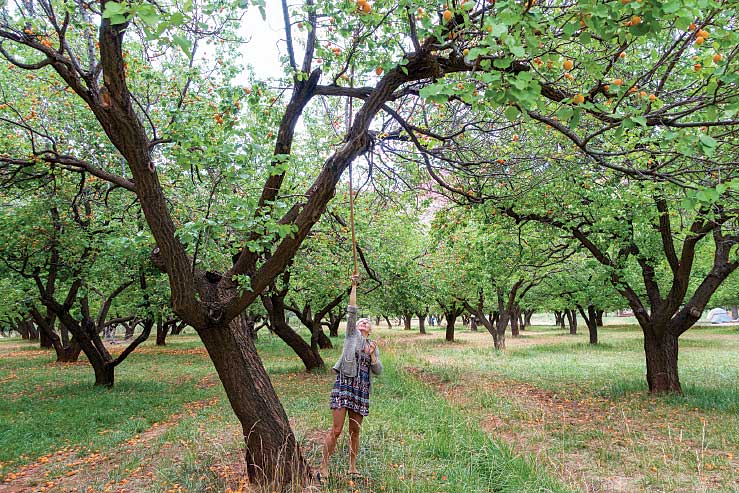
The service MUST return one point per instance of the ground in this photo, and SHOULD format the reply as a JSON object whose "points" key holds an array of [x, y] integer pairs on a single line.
{"points": [[551, 413]]}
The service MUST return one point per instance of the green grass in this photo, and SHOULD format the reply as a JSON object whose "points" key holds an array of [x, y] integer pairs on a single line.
{"points": [[48, 406], [413, 441], [581, 410], [590, 403]]}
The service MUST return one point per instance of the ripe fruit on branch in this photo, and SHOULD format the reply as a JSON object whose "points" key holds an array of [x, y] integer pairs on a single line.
{"points": [[652, 97], [578, 99], [618, 82], [364, 6], [635, 20], [697, 67], [568, 64], [717, 58], [378, 70], [699, 40], [447, 15]]}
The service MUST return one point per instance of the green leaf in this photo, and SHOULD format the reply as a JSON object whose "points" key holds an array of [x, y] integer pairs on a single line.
{"points": [[512, 113], [113, 8], [184, 43], [707, 140]]}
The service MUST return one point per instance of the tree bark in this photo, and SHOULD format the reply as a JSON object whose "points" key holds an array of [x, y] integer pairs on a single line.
{"points": [[514, 320], [661, 358], [387, 320], [572, 320], [275, 306], [421, 322], [473, 323], [527, 317], [559, 319], [68, 353], [273, 456], [162, 329], [735, 312], [407, 321], [591, 320], [130, 328], [178, 328], [320, 337], [334, 320], [599, 318]]}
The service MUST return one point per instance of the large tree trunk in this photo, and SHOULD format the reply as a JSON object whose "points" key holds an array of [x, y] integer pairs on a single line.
{"points": [[661, 357], [407, 321], [591, 320], [162, 329], [501, 322], [318, 337], [473, 323], [514, 322], [387, 320], [130, 328], [527, 317], [735, 312], [333, 324], [451, 318], [44, 340], [273, 456], [421, 322], [27, 330], [275, 307], [559, 319], [572, 320], [68, 353], [599, 318]]}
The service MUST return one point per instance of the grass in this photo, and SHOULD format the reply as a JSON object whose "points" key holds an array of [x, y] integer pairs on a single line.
{"points": [[127, 437], [550, 413], [584, 410]]}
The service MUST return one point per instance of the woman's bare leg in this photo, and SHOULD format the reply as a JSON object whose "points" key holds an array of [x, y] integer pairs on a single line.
{"points": [[331, 437], [355, 424]]}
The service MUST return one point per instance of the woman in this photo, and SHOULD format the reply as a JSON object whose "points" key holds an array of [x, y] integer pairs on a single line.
{"points": [[351, 391]]}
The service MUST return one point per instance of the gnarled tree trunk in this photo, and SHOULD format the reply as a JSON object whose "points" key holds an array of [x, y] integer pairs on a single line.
{"points": [[273, 456]]}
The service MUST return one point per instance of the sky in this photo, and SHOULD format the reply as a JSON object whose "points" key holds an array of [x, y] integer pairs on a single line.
{"points": [[265, 40]]}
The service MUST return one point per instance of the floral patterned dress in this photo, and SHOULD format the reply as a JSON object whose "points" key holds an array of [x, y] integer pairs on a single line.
{"points": [[353, 393]]}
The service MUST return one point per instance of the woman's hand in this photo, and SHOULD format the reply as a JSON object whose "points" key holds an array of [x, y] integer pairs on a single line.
{"points": [[370, 347]]}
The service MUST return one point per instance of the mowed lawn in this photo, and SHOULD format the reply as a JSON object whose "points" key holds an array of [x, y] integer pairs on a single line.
{"points": [[550, 413]]}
